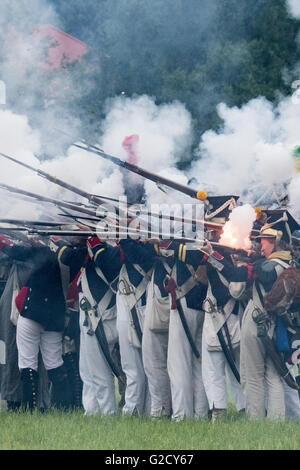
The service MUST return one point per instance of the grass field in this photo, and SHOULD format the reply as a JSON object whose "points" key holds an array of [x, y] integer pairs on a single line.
{"points": [[74, 431]]}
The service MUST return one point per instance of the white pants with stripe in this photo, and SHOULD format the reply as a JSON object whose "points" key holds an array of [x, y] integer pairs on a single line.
{"points": [[32, 337]]}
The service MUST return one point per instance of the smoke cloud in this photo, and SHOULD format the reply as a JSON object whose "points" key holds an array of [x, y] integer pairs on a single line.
{"points": [[238, 228], [251, 154], [165, 134], [293, 7]]}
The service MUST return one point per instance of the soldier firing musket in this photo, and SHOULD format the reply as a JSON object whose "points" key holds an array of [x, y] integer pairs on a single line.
{"points": [[159, 180], [261, 334], [119, 208]]}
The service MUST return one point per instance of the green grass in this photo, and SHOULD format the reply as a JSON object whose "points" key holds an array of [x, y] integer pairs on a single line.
{"points": [[74, 431]]}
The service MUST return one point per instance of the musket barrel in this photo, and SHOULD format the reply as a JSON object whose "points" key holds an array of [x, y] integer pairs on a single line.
{"points": [[32, 222], [54, 179], [142, 172], [116, 235], [48, 199]]}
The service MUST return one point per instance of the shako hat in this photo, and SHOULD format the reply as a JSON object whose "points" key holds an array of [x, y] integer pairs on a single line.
{"points": [[279, 225], [218, 208]]}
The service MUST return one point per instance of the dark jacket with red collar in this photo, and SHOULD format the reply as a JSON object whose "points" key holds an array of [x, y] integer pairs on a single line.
{"points": [[95, 254], [43, 300]]}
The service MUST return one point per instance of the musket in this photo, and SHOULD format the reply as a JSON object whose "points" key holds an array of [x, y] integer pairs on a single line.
{"points": [[15, 235], [79, 218], [119, 231], [56, 202], [97, 200], [82, 204], [144, 212], [168, 237], [32, 222], [159, 180], [109, 235], [73, 137], [54, 179], [14, 229]]}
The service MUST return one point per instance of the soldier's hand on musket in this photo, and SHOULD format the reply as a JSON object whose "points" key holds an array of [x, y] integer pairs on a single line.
{"points": [[208, 247], [83, 228], [4, 241], [153, 240]]}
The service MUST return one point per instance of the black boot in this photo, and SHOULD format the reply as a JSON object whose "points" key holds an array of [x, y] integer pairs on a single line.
{"points": [[61, 396], [71, 362], [30, 381], [13, 405]]}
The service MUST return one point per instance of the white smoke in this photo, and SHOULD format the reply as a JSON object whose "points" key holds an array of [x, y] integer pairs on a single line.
{"points": [[294, 196], [79, 168], [251, 155], [237, 230], [293, 7], [165, 134]]}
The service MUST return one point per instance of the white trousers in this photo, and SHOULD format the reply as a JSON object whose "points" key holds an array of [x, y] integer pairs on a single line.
{"points": [[291, 399], [32, 337], [188, 394], [215, 370], [155, 354], [258, 374], [292, 402], [137, 398], [98, 391]]}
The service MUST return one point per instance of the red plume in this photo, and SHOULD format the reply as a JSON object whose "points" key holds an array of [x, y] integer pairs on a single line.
{"points": [[129, 144]]}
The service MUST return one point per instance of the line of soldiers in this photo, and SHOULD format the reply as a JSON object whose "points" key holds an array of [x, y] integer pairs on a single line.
{"points": [[174, 324]]}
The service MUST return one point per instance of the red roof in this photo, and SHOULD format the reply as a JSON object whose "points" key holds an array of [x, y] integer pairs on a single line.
{"points": [[62, 48]]}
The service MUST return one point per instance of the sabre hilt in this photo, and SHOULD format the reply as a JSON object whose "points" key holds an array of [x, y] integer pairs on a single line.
{"points": [[260, 318], [86, 306]]}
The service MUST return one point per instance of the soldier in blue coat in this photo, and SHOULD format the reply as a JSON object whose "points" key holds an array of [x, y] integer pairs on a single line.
{"points": [[42, 307], [135, 275], [98, 265], [263, 387]]}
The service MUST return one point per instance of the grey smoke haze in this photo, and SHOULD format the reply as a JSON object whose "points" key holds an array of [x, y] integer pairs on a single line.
{"points": [[29, 87]]}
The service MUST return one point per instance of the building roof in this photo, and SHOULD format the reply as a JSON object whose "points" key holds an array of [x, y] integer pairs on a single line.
{"points": [[63, 47]]}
